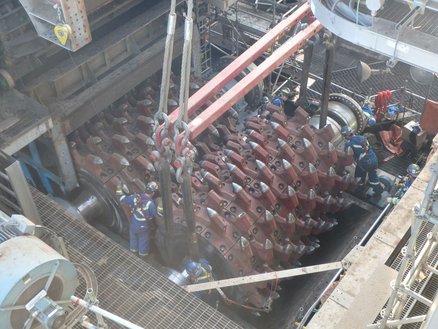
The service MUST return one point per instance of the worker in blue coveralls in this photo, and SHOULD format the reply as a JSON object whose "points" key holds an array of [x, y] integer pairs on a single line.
{"points": [[366, 162], [200, 272], [143, 210], [281, 97], [412, 172]]}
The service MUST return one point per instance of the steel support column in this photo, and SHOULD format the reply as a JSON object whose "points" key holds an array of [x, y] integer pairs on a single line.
{"points": [[308, 54], [214, 111], [65, 162], [232, 70], [328, 69], [22, 193]]}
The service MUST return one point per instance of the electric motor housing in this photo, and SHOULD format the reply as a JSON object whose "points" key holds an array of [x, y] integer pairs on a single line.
{"points": [[26, 264]]}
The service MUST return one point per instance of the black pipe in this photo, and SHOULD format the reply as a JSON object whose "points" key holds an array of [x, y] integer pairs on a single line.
{"points": [[329, 42], [308, 54]]}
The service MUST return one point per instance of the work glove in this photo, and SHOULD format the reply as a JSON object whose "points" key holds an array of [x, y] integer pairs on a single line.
{"points": [[122, 189], [392, 200], [119, 191]]}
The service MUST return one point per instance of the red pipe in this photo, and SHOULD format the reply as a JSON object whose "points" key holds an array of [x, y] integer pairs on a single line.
{"points": [[220, 106], [212, 87]]}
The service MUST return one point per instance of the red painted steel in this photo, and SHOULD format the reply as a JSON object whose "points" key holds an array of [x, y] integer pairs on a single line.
{"points": [[240, 63], [220, 106]]}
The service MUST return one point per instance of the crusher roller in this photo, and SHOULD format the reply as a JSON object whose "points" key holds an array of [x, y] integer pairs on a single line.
{"points": [[263, 187]]}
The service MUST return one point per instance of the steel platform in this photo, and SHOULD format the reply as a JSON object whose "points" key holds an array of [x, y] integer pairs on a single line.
{"points": [[128, 286]]}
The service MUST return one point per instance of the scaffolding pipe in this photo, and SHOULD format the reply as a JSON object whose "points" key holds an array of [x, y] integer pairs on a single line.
{"points": [[241, 88], [212, 87], [108, 315], [263, 277], [415, 229], [396, 323]]}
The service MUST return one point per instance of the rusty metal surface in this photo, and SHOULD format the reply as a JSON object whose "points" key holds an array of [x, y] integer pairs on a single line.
{"points": [[128, 286], [261, 192]]}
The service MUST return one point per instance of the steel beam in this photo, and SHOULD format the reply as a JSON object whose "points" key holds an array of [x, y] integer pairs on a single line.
{"points": [[412, 47], [214, 111], [212, 87], [21, 188], [328, 68], [100, 58], [76, 110], [264, 277]]}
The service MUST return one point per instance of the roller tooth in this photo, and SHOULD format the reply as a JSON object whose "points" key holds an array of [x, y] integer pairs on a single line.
{"points": [[309, 249], [328, 199], [150, 167], [244, 243], [331, 147], [267, 245], [286, 164], [227, 152], [211, 213], [260, 164], [236, 187], [349, 152], [300, 249], [172, 103], [212, 130], [231, 167], [306, 143], [288, 249], [269, 217], [253, 145], [95, 139], [291, 191], [118, 160], [265, 188], [121, 121], [281, 142], [331, 172], [311, 168], [274, 125], [96, 160], [311, 194], [291, 218]]}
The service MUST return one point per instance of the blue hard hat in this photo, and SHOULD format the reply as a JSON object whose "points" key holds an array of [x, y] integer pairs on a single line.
{"points": [[193, 268], [277, 101], [345, 131]]}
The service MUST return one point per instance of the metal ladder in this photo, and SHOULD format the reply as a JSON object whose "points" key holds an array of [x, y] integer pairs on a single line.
{"points": [[204, 32]]}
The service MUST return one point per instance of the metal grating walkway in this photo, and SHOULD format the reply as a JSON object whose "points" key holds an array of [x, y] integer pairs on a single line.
{"points": [[128, 286]]}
